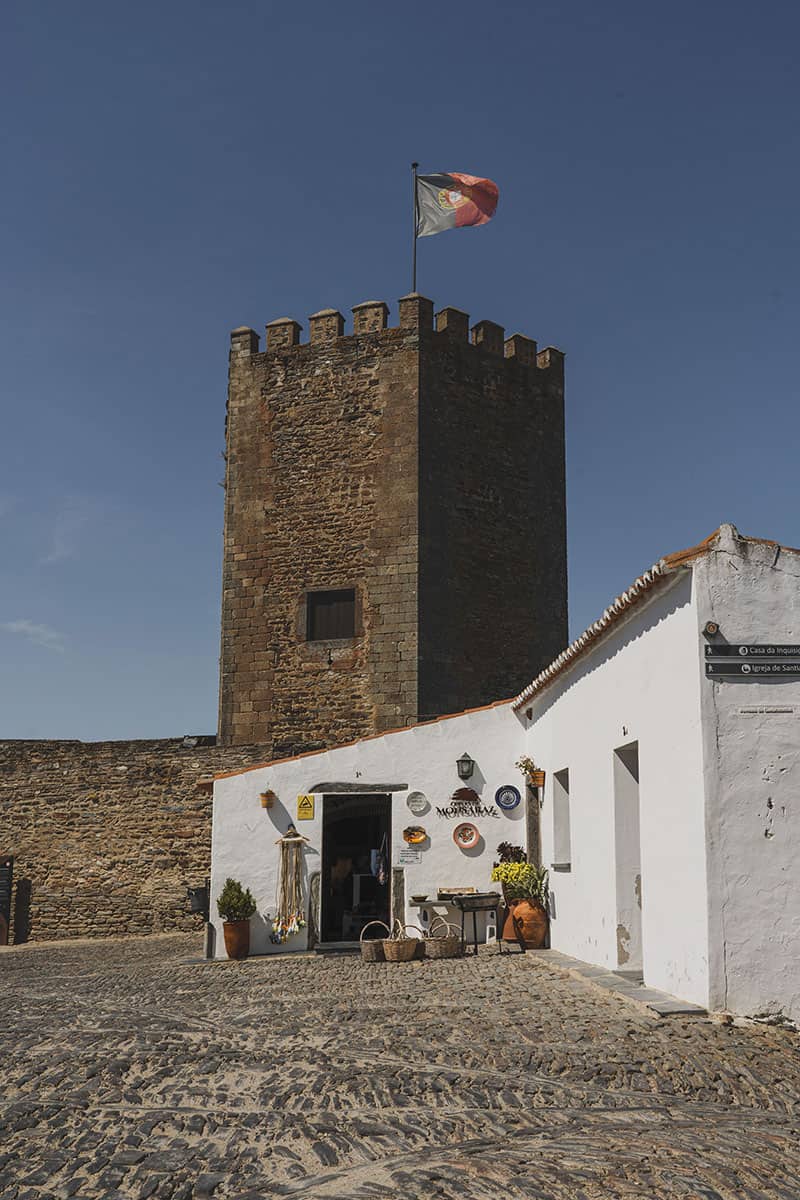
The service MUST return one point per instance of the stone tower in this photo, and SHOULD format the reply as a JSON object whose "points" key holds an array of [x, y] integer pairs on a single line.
{"points": [[395, 526]]}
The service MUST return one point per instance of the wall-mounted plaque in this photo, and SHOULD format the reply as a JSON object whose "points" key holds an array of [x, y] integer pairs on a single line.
{"points": [[305, 808], [418, 803]]}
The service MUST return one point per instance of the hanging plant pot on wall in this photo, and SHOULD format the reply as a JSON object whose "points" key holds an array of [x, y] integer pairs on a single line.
{"points": [[536, 779]]}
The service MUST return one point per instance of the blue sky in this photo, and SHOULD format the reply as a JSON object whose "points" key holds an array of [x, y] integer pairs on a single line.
{"points": [[174, 170]]}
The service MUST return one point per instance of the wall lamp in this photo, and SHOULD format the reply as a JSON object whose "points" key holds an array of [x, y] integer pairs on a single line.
{"points": [[465, 766]]}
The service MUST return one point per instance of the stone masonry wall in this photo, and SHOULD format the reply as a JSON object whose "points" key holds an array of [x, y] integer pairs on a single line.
{"points": [[108, 835], [321, 493], [424, 469], [493, 552]]}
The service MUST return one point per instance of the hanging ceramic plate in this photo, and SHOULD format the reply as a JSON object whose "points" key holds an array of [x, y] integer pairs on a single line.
{"points": [[507, 797], [418, 803], [415, 835], [466, 835]]}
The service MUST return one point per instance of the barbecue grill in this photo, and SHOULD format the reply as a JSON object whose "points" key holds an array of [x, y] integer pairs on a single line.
{"points": [[474, 902]]}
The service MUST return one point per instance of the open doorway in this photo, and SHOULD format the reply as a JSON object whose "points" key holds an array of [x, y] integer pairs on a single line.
{"points": [[356, 867], [628, 854]]}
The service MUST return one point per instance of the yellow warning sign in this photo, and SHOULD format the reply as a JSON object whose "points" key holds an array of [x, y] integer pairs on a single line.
{"points": [[305, 808]]}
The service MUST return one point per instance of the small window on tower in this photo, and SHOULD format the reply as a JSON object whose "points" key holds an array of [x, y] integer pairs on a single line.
{"points": [[331, 615]]}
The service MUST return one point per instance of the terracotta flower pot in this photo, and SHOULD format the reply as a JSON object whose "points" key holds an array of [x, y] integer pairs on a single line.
{"points": [[531, 919], [536, 779], [237, 938]]}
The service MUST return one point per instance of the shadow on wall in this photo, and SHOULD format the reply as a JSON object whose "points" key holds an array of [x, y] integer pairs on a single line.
{"points": [[22, 911]]}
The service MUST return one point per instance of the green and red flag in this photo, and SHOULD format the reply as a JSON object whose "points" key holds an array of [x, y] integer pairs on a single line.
{"points": [[452, 201]]}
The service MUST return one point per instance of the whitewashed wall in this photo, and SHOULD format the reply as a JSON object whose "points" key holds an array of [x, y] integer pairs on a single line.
{"points": [[640, 683], [424, 757], [719, 780], [752, 591]]}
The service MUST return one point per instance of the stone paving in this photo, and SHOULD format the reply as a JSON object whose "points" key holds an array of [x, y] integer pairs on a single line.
{"points": [[128, 1073]]}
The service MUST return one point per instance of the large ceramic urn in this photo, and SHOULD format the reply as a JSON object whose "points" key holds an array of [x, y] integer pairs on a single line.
{"points": [[530, 919]]}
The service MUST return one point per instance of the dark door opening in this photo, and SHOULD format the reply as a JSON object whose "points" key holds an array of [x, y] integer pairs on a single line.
{"points": [[356, 836]]}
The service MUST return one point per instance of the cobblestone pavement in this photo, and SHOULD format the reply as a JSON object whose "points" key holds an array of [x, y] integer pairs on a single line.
{"points": [[128, 1074]]}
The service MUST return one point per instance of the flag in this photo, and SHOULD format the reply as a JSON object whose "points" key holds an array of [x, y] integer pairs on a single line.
{"points": [[452, 201]]}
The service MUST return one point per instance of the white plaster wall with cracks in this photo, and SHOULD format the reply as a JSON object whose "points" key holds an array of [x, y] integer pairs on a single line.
{"points": [[637, 683], [751, 590], [422, 758]]}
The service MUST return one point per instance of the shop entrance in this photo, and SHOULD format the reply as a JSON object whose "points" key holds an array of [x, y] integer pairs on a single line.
{"points": [[356, 867]]}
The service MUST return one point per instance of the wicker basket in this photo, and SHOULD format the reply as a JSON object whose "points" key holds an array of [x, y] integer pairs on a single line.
{"points": [[399, 947], [444, 944], [372, 951]]}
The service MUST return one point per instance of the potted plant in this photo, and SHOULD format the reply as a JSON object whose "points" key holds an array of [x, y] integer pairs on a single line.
{"points": [[525, 894], [236, 906], [534, 776]]}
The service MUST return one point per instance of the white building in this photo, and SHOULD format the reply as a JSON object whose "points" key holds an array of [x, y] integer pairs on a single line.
{"points": [[669, 819]]}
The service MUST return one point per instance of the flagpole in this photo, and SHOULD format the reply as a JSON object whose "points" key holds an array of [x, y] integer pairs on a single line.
{"points": [[414, 213]]}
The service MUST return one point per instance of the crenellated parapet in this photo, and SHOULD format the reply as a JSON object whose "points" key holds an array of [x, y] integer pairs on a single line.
{"points": [[370, 319], [407, 469]]}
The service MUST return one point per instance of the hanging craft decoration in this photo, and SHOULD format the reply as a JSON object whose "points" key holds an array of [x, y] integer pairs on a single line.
{"points": [[289, 906], [466, 835], [507, 797]]}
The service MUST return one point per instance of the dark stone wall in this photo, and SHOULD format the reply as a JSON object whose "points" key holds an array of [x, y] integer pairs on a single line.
{"points": [[425, 470], [493, 554], [108, 835]]}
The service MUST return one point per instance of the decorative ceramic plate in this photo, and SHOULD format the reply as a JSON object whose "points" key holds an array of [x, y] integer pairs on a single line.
{"points": [[466, 835], [415, 835], [418, 803], [507, 797]]}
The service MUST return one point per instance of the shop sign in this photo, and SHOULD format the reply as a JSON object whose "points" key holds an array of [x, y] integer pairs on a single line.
{"points": [[305, 808], [458, 808], [408, 857]]}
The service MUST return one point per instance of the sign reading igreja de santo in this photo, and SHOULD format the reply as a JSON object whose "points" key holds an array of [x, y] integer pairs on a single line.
{"points": [[751, 660]]}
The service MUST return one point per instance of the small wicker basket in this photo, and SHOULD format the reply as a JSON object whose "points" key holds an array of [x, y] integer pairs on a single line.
{"points": [[399, 947], [372, 950], [445, 944]]}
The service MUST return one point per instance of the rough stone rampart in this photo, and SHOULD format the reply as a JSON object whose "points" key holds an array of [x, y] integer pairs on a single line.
{"points": [[106, 836]]}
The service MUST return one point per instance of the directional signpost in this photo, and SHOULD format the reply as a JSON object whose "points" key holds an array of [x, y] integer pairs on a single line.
{"points": [[749, 660]]}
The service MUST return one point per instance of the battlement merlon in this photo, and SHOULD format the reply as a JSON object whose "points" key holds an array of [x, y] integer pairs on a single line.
{"points": [[371, 317]]}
